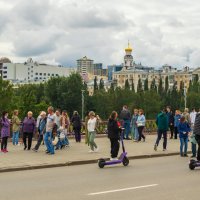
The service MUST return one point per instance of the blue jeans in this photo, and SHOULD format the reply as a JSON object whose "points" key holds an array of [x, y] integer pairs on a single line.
{"points": [[127, 128], [136, 134], [184, 143], [48, 142], [15, 138]]}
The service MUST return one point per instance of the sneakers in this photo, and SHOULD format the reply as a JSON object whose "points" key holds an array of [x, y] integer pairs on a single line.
{"points": [[96, 149], [155, 147], [35, 150], [164, 149], [90, 151]]}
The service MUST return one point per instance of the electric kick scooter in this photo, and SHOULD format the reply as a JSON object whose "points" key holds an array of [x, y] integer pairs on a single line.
{"points": [[122, 159]]}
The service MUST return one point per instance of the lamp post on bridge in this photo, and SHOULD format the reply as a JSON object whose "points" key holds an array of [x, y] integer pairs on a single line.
{"points": [[82, 104]]}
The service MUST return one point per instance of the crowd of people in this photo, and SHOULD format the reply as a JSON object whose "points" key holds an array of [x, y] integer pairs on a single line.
{"points": [[52, 129]]}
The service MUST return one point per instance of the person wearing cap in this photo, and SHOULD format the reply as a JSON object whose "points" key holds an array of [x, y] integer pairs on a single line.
{"points": [[41, 130], [184, 130], [91, 126]]}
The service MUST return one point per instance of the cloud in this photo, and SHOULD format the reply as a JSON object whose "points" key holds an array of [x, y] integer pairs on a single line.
{"points": [[62, 31]]}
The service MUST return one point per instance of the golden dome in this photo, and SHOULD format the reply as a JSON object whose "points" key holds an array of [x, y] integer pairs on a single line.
{"points": [[128, 48]]}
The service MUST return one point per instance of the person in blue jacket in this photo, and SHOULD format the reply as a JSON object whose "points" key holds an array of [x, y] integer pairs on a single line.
{"points": [[184, 130], [176, 122]]}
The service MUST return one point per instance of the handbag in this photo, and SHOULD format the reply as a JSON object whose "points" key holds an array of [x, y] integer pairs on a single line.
{"points": [[62, 135], [55, 141]]}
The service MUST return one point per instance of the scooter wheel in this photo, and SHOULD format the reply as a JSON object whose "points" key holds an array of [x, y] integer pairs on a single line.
{"points": [[125, 161], [101, 163], [192, 164]]}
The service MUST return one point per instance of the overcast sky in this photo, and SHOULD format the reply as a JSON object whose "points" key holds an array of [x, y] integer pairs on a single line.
{"points": [[62, 31]]}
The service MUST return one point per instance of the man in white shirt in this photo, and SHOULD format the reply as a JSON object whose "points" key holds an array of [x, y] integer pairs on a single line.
{"points": [[49, 128]]}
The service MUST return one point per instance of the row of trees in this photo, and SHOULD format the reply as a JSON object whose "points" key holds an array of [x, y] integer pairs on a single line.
{"points": [[65, 93]]}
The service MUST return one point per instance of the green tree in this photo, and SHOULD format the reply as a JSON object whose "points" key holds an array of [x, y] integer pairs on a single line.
{"points": [[127, 85], [95, 84], [153, 86], [139, 86], [6, 94], [101, 84], [146, 85], [166, 84], [160, 86]]}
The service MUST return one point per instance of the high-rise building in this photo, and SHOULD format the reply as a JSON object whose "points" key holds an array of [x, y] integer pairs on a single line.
{"points": [[85, 65]]}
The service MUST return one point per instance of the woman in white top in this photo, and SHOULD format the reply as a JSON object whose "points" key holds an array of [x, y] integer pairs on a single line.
{"points": [[91, 126]]}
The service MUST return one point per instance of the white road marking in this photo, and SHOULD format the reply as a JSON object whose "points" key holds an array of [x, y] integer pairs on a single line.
{"points": [[123, 189]]}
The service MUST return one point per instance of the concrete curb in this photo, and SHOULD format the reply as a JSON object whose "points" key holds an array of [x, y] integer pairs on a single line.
{"points": [[83, 162]]}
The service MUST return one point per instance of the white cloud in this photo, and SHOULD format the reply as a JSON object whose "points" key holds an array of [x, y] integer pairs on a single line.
{"points": [[62, 31]]}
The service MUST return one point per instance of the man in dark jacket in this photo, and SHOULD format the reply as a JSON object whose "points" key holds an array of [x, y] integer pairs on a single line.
{"points": [[125, 115], [162, 123], [170, 117], [196, 132], [113, 135]]}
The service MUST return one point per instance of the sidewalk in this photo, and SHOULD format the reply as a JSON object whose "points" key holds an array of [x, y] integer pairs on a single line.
{"points": [[18, 159]]}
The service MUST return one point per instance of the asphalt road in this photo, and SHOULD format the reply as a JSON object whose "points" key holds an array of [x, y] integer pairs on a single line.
{"points": [[167, 178]]}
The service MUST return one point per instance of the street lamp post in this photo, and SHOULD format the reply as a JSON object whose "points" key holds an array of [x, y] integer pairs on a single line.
{"points": [[82, 104], [185, 96]]}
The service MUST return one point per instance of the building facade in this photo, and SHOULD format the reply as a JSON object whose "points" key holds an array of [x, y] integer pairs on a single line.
{"points": [[134, 72], [31, 71], [85, 65]]}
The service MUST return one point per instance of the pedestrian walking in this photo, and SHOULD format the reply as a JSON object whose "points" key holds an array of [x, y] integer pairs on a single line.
{"points": [[91, 126], [51, 122], [170, 121], [184, 130], [196, 132], [64, 124], [193, 116], [76, 122], [5, 131], [134, 128], [126, 117], [177, 118], [114, 135], [28, 128], [15, 127], [141, 120], [41, 130], [162, 124], [86, 130]]}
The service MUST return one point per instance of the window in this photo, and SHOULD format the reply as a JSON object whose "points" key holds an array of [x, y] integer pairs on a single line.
{"points": [[40, 74], [31, 66], [31, 75], [5, 67], [31, 71], [4, 76], [28, 73], [44, 74], [56, 74], [36, 73], [48, 74], [52, 75], [36, 78], [5, 72]]}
